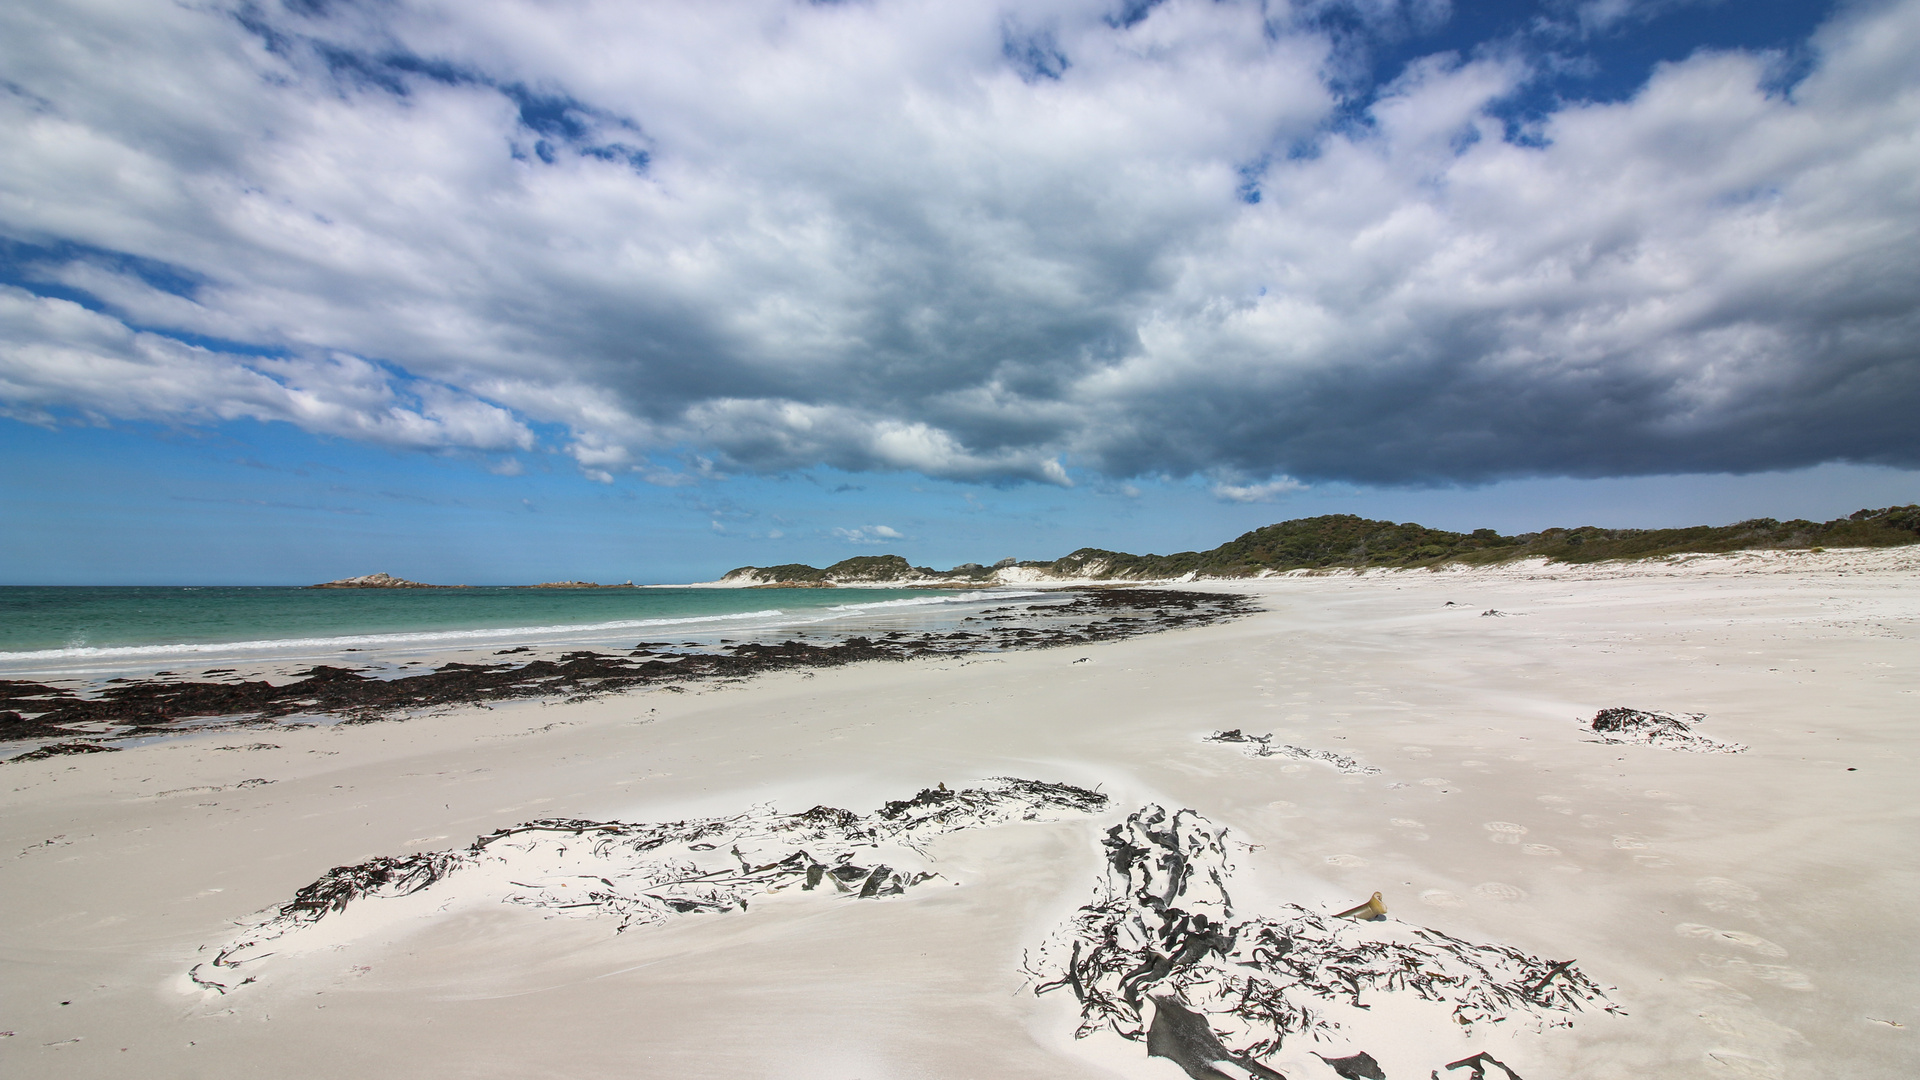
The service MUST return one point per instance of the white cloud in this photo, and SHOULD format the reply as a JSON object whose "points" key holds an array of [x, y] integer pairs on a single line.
{"points": [[55, 352], [869, 534], [782, 235], [1251, 493]]}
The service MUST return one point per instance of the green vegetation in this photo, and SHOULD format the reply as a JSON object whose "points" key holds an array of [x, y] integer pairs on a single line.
{"points": [[1343, 540], [1886, 527], [1305, 543]]}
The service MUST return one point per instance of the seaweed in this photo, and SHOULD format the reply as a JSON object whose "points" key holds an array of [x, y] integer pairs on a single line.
{"points": [[160, 705], [62, 749], [1162, 929], [1262, 746], [640, 873], [1620, 726]]}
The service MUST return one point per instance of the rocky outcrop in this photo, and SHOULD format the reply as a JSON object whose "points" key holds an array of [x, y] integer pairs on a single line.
{"points": [[378, 581], [578, 585]]}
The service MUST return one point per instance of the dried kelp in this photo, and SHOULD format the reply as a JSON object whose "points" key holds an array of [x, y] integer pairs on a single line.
{"points": [[1674, 731], [62, 749], [1262, 746], [1478, 1064], [637, 874], [383, 876], [1162, 928], [156, 706]]}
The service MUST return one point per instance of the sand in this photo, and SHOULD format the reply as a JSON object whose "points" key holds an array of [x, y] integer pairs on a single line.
{"points": [[1748, 914]]}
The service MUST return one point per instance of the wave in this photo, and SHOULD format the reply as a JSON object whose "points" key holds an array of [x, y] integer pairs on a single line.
{"points": [[87, 652], [922, 601]]}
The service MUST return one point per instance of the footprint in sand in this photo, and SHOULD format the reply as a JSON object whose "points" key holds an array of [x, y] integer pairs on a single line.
{"points": [[1505, 832], [1345, 860], [1441, 898], [1723, 890], [1733, 937], [1730, 1014], [1785, 978], [1727, 896], [1409, 823], [1629, 843], [1540, 849], [1653, 862], [1497, 890], [1417, 751], [1435, 781]]}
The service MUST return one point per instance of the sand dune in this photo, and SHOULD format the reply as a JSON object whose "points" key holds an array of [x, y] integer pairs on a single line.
{"points": [[1558, 904]]}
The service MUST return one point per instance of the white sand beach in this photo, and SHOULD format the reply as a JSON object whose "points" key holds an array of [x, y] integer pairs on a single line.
{"points": [[1747, 914]]}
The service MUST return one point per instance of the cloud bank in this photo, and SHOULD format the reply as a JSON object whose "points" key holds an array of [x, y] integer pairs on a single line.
{"points": [[965, 240]]}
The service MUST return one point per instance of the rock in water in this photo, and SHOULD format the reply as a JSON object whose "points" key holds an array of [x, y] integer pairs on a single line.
{"points": [[377, 581]]}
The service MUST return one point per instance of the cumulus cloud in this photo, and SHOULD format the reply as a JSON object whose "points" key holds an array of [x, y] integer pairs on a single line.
{"points": [[1119, 238], [55, 352]]}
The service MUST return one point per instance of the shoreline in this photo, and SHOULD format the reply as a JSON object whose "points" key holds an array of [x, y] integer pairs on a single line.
{"points": [[1719, 900], [63, 720]]}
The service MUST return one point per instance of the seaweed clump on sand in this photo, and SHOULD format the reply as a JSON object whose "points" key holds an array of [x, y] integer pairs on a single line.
{"points": [[1621, 726], [63, 749], [1161, 956], [1262, 746], [638, 874], [155, 706]]}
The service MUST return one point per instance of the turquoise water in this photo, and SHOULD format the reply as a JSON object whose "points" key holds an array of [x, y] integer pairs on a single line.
{"points": [[63, 625]]}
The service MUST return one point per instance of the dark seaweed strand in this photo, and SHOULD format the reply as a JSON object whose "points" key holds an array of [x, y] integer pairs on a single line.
{"points": [[1141, 939], [158, 706]]}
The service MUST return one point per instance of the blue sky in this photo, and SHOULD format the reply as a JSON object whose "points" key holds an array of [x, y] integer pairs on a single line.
{"points": [[494, 292]]}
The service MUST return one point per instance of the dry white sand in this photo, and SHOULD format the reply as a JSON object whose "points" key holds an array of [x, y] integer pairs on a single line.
{"points": [[1753, 913]]}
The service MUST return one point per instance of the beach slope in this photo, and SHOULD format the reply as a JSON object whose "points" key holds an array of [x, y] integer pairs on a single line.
{"points": [[870, 871]]}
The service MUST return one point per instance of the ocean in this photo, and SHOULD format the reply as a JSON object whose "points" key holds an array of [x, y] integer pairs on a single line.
{"points": [[54, 631]]}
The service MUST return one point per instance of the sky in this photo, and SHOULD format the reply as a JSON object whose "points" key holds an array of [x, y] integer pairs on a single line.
{"points": [[511, 290]]}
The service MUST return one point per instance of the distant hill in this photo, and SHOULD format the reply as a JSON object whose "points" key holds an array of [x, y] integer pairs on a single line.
{"points": [[1344, 540]]}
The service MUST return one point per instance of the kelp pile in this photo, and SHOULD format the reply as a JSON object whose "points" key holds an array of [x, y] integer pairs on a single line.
{"points": [[1226, 986], [1674, 731], [638, 874], [1263, 746], [146, 707]]}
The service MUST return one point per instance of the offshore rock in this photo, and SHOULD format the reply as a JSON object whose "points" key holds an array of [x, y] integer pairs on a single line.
{"points": [[378, 581]]}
